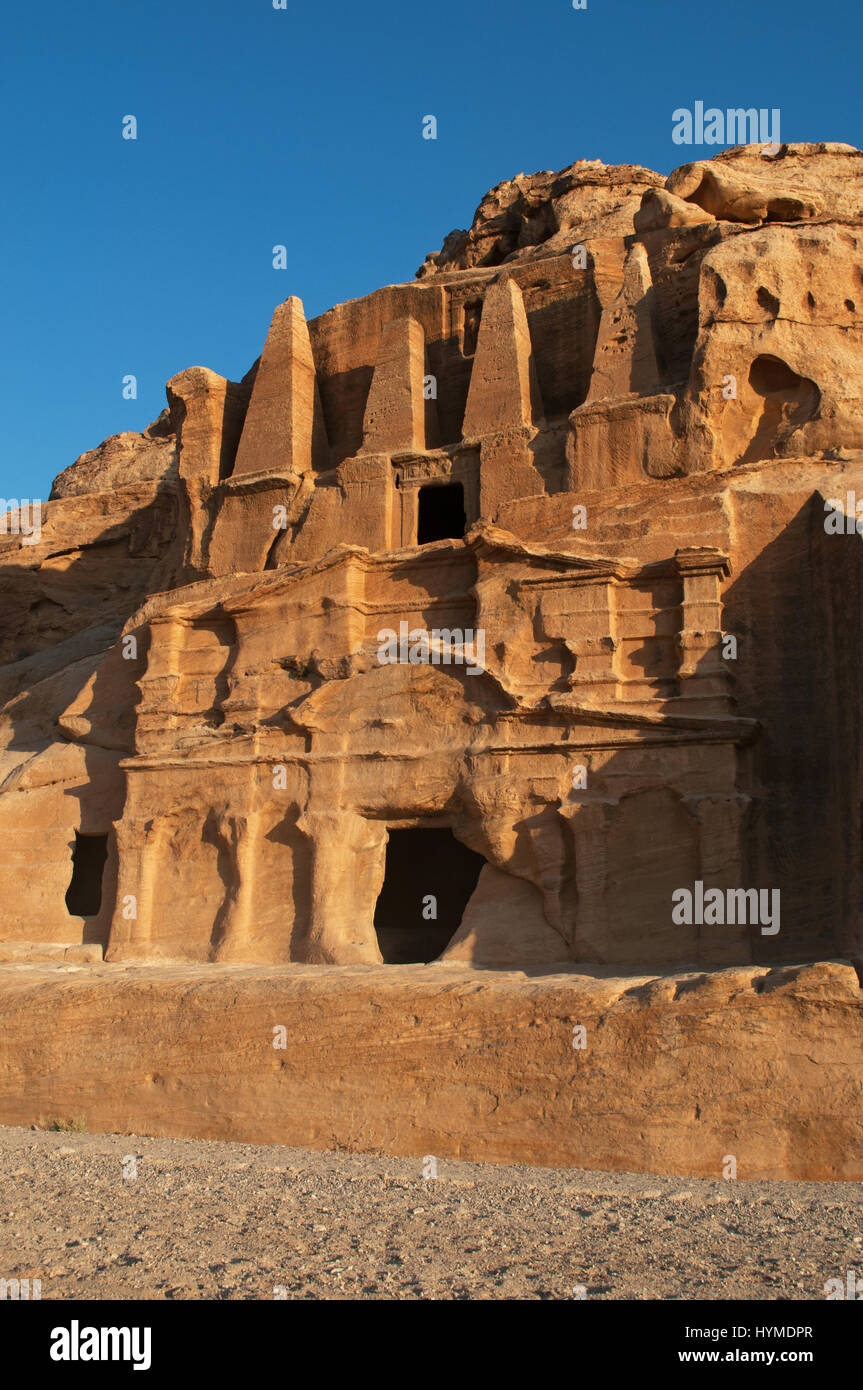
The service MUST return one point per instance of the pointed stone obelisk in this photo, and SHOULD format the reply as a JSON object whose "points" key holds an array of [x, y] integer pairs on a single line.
{"points": [[284, 429], [624, 361], [396, 411], [503, 392]]}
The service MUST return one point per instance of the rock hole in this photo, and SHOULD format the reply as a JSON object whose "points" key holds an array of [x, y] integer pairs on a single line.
{"points": [[84, 894], [715, 282], [768, 301], [769, 375], [789, 401], [429, 877]]}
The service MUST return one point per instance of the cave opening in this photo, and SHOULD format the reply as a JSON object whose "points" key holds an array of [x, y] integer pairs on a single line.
{"points": [[428, 880], [441, 512], [84, 894]]}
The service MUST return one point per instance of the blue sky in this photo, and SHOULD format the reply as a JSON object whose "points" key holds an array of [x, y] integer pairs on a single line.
{"points": [[302, 127]]}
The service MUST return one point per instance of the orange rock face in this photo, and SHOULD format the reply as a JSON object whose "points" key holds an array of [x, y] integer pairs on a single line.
{"points": [[508, 619], [675, 1075]]}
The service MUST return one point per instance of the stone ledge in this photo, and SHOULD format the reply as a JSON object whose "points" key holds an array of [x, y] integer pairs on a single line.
{"points": [[73, 953], [679, 1070]]}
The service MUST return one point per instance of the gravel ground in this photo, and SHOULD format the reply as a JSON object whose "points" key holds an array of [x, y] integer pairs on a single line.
{"points": [[208, 1220]]}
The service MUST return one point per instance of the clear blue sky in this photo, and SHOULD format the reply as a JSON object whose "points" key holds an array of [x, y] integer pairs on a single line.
{"points": [[302, 126]]}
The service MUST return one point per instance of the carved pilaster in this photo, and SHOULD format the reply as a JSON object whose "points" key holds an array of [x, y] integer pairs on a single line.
{"points": [[588, 820], [703, 675], [721, 820]]}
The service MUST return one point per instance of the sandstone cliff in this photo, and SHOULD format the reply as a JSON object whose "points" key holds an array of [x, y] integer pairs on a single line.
{"points": [[595, 472]]}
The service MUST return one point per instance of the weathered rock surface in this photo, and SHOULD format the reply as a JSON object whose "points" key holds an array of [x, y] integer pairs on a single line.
{"points": [[124, 458], [589, 199], [824, 175], [675, 1074]]}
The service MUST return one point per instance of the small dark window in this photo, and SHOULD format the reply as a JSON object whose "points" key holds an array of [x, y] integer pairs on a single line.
{"points": [[84, 894], [441, 512]]}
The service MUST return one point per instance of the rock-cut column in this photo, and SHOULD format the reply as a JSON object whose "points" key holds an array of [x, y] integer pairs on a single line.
{"points": [[703, 674], [347, 869], [284, 429]]}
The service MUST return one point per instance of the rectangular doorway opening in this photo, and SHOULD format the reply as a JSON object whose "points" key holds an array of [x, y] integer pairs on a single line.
{"points": [[441, 513], [84, 894], [428, 880]]}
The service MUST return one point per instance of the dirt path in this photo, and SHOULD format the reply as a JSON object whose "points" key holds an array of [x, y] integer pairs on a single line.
{"points": [[215, 1221]]}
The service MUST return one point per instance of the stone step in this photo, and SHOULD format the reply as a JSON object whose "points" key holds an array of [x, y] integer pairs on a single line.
{"points": [[67, 952]]}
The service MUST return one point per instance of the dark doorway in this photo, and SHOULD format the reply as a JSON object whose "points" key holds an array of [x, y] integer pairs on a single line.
{"points": [[427, 871], [84, 894], [441, 512]]}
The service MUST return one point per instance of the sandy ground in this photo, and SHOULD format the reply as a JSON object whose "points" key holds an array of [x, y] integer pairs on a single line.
{"points": [[207, 1220]]}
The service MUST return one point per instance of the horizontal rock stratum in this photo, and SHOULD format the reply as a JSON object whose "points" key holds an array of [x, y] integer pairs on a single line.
{"points": [[498, 626], [444, 1062]]}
